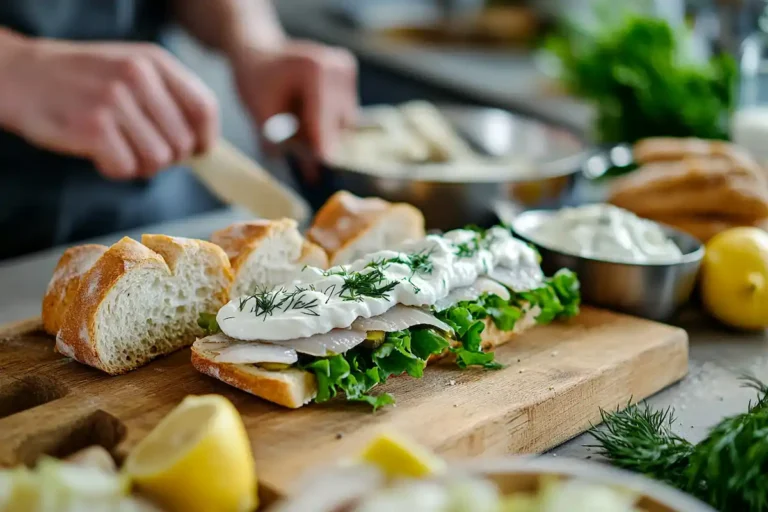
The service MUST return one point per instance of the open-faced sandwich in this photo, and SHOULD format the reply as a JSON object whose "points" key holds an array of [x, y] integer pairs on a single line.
{"points": [[117, 308], [349, 328]]}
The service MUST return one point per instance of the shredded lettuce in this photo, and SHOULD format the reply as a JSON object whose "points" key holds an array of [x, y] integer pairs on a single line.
{"points": [[358, 371]]}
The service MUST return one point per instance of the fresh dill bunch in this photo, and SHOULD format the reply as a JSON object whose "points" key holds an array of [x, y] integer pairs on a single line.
{"points": [[640, 439], [728, 469]]}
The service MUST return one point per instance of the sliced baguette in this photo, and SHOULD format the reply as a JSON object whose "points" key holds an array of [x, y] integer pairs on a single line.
{"points": [[266, 253], [294, 388], [62, 288], [142, 300], [348, 227]]}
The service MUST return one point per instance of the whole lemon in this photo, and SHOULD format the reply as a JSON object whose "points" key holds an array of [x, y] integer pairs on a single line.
{"points": [[734, 277]]}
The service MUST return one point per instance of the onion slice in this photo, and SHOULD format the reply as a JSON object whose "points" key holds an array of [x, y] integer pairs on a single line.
{"points": [[398, 318]]}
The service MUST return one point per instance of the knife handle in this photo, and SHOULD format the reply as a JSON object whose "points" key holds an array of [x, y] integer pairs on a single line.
{"points": [[236, 179]]}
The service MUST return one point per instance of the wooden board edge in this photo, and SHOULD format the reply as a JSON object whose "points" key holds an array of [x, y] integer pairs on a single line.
{"points": [[20, 327]]}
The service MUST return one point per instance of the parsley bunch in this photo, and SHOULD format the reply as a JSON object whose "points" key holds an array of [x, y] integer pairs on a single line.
{"points": [[636, 71]]}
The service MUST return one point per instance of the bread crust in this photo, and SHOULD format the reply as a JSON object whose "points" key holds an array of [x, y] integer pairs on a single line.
{"points": [[63, 286], [345, 218], [262, 384], [76, 338], [239, 240], [269, 386]]}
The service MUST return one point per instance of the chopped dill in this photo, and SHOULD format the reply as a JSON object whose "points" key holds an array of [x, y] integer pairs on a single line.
{"points": [[371, 284], [266, 302], [467, 249]]}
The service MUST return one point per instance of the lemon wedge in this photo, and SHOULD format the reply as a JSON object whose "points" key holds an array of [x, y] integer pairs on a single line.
{"points": [[198, 458], [398, 457]]}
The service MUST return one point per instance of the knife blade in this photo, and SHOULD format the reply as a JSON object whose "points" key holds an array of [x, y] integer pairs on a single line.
{"points": [[236, 179]]}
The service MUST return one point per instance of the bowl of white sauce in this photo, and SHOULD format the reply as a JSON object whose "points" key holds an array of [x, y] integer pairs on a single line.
{"points": [[623, 262]]}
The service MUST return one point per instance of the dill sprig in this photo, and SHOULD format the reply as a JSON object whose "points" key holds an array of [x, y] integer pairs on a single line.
{"points": [[467, 249], [265, 302], [373, 284], [640, 439], [728, 469]]}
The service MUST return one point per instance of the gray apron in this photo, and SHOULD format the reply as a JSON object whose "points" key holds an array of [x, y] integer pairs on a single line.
{"points": [[49, 199]]}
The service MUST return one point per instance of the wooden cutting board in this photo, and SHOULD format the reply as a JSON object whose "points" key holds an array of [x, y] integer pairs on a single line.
{"points": [[557, 378]]}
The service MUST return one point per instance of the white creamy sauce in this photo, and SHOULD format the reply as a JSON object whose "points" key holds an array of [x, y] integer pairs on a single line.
{"points": [[318, 301], [606, 232]]}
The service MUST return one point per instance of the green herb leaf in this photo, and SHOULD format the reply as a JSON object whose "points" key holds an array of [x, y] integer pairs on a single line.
{"points": [[725, 470], [329, 372], [637, 71], [465, 358], [394, 356], [427, 342], [504, 315], [207, 321]]}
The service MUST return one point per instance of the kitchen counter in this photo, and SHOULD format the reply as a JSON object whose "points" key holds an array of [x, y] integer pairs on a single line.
{"points": [[711, 390], [502, 79]]}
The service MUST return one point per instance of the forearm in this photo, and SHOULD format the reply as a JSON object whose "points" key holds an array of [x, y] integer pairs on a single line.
{"points": [[231, 25]]}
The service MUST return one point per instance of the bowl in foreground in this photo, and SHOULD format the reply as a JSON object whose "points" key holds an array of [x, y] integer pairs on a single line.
{"points": [[650, 290], [333, 490]]}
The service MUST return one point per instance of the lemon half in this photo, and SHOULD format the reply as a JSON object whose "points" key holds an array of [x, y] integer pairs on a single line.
{"points": [[398, 457], [198, 458]]}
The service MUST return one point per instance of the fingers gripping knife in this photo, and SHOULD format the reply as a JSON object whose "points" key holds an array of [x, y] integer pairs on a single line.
{"points": [[237, 180]]}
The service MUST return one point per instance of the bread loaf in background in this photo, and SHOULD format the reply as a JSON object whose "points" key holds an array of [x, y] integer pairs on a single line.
{"points": [[699, 186], [348, 227], [266, 253]]}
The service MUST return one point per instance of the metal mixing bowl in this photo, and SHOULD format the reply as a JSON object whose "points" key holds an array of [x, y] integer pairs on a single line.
{"points": [[550, 158], [654, 291]]}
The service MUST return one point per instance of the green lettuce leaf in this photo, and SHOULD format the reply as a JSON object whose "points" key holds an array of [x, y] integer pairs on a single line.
{"points": [[426, 342], [358, 371], [394, 356]]}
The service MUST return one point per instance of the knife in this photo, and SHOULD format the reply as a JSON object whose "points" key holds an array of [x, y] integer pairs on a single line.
{"points": [[236, 179]]}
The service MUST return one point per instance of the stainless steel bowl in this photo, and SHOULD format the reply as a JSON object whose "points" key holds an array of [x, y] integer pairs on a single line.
{"points": [[554, 157], [654, 291]]}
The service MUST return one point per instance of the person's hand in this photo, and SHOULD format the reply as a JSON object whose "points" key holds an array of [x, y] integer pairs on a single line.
{"points": [[131, 108], [316, 83]]}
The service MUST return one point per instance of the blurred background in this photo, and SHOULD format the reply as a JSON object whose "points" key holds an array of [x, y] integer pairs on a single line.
{"points": [[485, 52]]}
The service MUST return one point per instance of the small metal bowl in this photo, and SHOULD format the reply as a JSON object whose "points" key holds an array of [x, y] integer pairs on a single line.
{"points": [[550, 159], [650, 290]]}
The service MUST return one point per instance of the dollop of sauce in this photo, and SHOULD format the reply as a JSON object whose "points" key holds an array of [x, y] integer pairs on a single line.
{"points": [[419, 273], [606, 232]]}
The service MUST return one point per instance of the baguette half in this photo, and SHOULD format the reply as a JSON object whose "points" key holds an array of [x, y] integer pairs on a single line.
{"points": [[348, 227], [139, 301], [294, 388], [266, 253]]}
